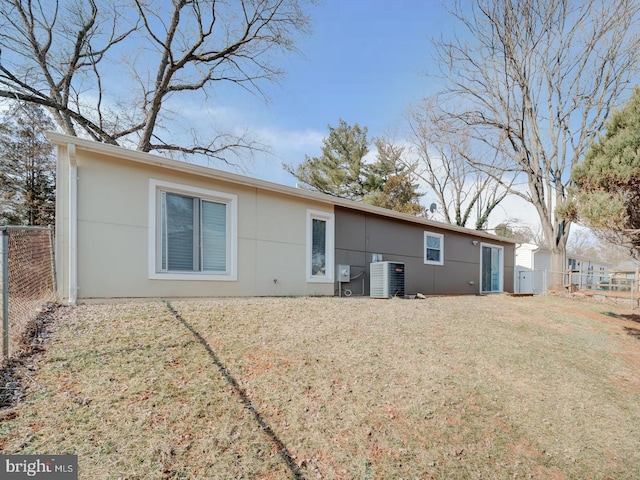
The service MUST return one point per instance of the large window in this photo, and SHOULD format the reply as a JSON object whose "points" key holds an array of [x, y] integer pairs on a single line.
{"points": [[433, 248], [320, 231], [194, 233]]}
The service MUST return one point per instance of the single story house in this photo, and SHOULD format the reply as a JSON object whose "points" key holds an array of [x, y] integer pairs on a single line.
{"points": [[533, 269], [625, 275], [131, 224]]}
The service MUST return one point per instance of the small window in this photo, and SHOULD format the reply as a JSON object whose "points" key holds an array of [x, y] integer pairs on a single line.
{"points": [[192, 233], [320, 231], [433, 248]]}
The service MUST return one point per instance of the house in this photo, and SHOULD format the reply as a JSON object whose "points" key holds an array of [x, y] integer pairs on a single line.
{"points": [[533, 270], [131, 224], [625, 275], [587, 273]]}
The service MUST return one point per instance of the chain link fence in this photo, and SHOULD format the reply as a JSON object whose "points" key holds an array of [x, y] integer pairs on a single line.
{"points": [[28, 280], [538, 281], [618, 287]]}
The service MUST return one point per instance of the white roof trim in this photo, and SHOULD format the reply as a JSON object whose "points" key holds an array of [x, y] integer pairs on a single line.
{"points": [[163, 162]]}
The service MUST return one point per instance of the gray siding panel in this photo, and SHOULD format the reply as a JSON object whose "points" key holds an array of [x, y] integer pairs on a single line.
{"points": [[358, 235]]}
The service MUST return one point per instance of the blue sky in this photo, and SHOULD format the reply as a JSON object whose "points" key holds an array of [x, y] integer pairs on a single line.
{"points": [[365, 62]]}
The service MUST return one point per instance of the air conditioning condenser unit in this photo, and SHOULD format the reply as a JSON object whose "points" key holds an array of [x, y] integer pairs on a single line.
{"points": [[386, 279]]}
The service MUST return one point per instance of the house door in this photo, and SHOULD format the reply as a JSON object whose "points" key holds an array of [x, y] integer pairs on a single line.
{"points": [[524, 280], [491, 268]]}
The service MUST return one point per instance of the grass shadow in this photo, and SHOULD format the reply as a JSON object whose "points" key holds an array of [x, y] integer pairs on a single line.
{"points": [[634, 317], [634, 332], [283, 451]]}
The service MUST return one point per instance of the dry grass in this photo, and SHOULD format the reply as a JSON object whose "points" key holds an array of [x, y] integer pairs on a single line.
{"points": [[459, 387]]}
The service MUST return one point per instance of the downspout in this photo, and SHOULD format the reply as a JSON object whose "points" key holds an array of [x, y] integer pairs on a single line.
{"points": [[516, 270], [73, 224]]}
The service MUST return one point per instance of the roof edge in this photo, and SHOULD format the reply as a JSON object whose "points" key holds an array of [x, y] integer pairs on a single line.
{"points": [[164, 162]]}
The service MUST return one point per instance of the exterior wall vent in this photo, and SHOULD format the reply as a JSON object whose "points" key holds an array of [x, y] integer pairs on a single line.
{"points": [[387, 279]]}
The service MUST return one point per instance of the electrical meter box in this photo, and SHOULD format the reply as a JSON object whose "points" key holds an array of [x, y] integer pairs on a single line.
{"points": [[344, 273]]}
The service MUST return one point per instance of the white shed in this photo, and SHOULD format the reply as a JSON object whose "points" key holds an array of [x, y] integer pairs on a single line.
{"points": [[533, 265]]}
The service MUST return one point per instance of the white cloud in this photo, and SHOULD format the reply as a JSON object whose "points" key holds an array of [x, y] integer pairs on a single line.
{"points": [[308, 140], [286, 146], [516, 210]]}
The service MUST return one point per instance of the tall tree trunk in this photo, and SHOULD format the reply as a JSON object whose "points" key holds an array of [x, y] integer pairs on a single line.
{"points": [[558, 250], [535, 82], [556, 278]]}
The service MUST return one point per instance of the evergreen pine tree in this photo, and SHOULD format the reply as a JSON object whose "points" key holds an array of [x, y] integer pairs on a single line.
{"points": [[608, 181], [341, 171], [27, 167]]}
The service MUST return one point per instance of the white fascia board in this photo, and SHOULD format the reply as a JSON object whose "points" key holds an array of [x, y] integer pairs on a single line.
{"points": [[163, 162]]}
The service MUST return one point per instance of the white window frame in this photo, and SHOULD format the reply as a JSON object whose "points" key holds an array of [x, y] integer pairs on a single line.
{"points": [[329, 218], [424, 248], [231, 201]]}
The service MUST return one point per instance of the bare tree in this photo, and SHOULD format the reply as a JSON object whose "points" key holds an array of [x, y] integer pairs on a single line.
{"points": [[71, 56], [583, 242], [514, 229], [535, 81], [463, 191]]}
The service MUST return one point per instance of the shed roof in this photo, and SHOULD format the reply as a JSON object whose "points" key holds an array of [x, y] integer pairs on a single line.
{"points": [[207, 172]]}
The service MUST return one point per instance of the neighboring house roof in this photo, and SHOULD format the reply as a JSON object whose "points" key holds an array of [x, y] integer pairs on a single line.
{"points": [[168, 163], [530, 246], [628, 266], [536, 248], [583, 258]]}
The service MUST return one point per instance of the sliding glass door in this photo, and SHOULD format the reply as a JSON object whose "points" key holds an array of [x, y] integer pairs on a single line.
{"points": [[491, 269]]}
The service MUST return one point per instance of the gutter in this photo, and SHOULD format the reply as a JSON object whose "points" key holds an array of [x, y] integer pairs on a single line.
{"points": [[73, 224], [219, 175]]}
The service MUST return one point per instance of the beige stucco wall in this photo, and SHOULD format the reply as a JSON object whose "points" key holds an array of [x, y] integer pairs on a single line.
{"points": [[113, 235]]}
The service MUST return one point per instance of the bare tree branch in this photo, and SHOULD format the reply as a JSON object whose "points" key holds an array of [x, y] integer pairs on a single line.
{"points": [[221, 147], [265, 26], [535, 81], [447, 158], [65, 55]]}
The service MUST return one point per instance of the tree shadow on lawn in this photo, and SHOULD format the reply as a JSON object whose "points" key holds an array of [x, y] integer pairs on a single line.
{"points": [[633, 317], [634, 332], [283, 451]]}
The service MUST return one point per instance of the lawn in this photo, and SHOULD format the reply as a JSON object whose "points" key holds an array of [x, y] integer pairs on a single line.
{"points": [[442, 388]]}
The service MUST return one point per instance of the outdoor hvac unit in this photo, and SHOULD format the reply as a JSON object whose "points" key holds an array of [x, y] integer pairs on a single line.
{"points": [[387, 280]]}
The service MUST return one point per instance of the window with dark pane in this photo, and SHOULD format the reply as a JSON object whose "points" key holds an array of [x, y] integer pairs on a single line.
{"points": [[318, 247], [193, 234], [433, 249]]}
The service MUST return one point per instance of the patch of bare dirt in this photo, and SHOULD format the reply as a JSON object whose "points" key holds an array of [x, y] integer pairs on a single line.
{"points": [[17, 367]]}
